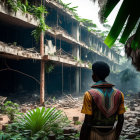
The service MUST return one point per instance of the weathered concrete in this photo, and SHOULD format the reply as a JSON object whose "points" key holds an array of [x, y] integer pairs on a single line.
{"points": [[75, 31], [19, 18], [76, 52], [15, 52], [77, 81]]}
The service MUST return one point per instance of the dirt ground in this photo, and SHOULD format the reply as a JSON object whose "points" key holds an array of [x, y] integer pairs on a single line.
{"points": [[74, 112], [71, 112]]}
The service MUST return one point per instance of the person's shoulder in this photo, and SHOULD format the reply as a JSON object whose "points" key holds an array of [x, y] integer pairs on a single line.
{"points": [[92, 90], [87, 93], [119, 92]]}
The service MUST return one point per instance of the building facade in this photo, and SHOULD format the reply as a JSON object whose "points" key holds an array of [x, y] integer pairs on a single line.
{"points": [[60, 63]]}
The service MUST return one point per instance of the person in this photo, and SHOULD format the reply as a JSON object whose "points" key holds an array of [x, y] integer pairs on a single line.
{"points": [[103, 107]]}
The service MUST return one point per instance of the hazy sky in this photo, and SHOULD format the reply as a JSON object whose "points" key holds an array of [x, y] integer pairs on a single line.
{"points": [[88, 9]]}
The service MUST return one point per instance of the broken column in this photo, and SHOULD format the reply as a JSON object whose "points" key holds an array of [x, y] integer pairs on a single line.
{"points": [[76, 54], [76, 31], [109, 54], [77, 80]]}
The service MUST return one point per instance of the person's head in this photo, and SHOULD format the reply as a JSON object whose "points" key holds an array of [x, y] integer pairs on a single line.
{"points": [[100, 71]]}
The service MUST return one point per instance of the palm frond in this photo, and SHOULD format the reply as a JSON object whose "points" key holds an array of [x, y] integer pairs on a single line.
{"points": [[131, 23], [118, 24], [106, 8], [38, 119]]}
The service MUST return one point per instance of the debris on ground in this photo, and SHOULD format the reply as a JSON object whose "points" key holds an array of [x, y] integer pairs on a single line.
{"points": [[67, 101]]}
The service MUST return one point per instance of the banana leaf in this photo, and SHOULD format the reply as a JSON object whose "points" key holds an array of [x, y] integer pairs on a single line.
{"points": [[131, 23], [129, 13], [119, 23], [107, 8]]}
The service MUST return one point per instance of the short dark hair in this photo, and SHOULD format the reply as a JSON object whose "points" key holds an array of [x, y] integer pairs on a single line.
{"points": [[101, 69]]}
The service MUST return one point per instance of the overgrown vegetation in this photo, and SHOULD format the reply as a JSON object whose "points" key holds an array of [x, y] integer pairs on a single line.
{"points": [[91, 27], [39, 12], [90, 65], [11, 109], [36, 124], [87, 22], [49, 66], [13, 5]]}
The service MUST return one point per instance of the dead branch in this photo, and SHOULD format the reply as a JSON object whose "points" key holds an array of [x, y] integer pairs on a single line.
{"points": [[21, 73]]}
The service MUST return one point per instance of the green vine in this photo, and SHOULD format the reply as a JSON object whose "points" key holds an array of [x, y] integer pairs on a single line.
{"points": [[49, 67], [13, 5], [86, 22], [89, 65], [39, 12], [41, 28]]}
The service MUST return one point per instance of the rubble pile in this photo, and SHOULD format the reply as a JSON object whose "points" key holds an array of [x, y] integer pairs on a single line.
{"points": [[131, 127], [67, 101]]}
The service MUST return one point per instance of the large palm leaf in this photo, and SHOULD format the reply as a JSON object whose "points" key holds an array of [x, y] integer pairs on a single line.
{"points": [[129, 13], [38, 119]]}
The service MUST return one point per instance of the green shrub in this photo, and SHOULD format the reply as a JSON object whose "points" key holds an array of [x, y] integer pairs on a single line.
{"points": [[40, 119], [4, 136], [37, 124], [11, 109]]}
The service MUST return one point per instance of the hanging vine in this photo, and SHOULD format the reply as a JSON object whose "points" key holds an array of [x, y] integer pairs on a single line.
{"points": [[49, 66], [39, 12]]}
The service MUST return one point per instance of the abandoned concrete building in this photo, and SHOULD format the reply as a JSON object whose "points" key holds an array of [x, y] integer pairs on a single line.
{"points": [[68, 50]]}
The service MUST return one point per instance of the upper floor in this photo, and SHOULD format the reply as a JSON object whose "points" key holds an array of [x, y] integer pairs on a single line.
{"points": [[65, 33]]}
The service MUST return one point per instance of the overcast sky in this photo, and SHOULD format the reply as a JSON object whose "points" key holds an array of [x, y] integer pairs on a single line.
{"points": [[89, 10]]}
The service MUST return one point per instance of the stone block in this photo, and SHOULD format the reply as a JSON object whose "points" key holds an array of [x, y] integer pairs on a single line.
{"points": [[131, 136], [138, 121], [132, 108], [52, 137]]}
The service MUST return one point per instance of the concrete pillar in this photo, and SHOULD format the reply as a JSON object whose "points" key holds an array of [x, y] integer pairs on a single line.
{"points": [[109, 54], [76, 52], [113, 68], [77, 81], [112, 56], [76, 31]]}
